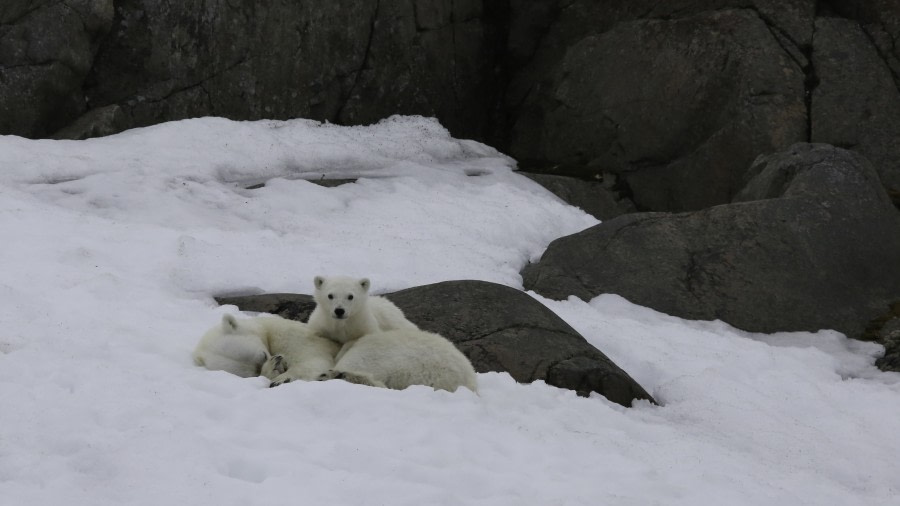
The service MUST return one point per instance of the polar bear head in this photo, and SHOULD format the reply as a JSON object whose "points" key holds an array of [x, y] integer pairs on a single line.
{"points": [[341, 297], [234, 345]]}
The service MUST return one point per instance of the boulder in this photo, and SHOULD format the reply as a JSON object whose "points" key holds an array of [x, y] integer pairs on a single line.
{"points": [[811, 242], [679, 106], [498, 328]]}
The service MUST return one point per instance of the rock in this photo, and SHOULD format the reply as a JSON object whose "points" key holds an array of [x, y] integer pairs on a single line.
{"points": [[46, 51], [345, 61], [498, 328], [857, 102], [811, 242], [679, 107], [593, 197], [95, 123]]}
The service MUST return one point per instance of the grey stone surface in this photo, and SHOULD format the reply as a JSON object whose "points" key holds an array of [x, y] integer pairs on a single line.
{"points": [[498, 328], [812, 242]]}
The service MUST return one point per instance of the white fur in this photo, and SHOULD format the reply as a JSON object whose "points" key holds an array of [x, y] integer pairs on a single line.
{"points": [[400, 358], [280, 349], [345, 311]]}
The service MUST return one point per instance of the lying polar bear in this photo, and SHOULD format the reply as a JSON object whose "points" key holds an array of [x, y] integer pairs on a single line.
{"points": [[401, 358], [279, 349]]}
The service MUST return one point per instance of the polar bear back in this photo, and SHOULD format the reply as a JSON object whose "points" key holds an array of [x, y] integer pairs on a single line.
{"points": [[388, 315], [401, 358]]}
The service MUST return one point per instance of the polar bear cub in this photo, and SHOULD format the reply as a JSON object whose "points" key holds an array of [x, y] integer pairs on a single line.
{"points": [[345, 311], [400, 358], [280, 349]]}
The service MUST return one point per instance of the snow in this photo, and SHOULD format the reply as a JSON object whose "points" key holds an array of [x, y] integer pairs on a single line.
{"points": [[114, 248]]}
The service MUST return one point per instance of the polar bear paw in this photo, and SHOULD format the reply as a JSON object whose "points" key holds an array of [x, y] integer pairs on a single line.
{"points": [[281, 380], [351, 377], [275, 366]]}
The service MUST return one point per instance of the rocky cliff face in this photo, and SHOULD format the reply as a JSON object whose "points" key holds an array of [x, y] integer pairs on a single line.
{"points": [[345, 61], [677, 98]]}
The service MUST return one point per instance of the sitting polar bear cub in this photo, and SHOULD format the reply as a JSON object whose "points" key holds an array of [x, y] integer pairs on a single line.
{"points": [[400, 358], [280, 349], [345, 311]]}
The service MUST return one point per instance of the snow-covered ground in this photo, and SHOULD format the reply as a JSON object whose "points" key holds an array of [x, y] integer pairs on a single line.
{"points": [[113, 248]]}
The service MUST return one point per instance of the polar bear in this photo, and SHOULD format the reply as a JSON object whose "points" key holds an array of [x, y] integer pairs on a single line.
{"points": [[280, 349], [345, 311], [400, 358]]}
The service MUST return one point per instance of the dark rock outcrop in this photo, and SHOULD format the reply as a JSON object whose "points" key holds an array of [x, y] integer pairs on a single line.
{"points": [[345, 61], [667, 104], [596, 198], [498, 328], [843, 113], [889, 337], [811, 242], [46, 50], [97, 122], [677, 97], [885, 330]]}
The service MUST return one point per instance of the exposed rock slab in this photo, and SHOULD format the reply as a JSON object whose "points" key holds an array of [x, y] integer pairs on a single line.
{"points": [[498, 328], [812, 242]]}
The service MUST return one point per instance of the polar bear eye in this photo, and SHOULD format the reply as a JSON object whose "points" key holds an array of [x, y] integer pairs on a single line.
{"points": [[350, 297], [330, 295]]}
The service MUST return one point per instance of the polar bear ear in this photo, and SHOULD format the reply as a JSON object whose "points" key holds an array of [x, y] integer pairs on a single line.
{"points": [[364, 283], [229, 323], [318, 281]]}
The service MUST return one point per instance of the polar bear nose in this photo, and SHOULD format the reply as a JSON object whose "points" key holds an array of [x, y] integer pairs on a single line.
{"points": [[339, 312]]}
